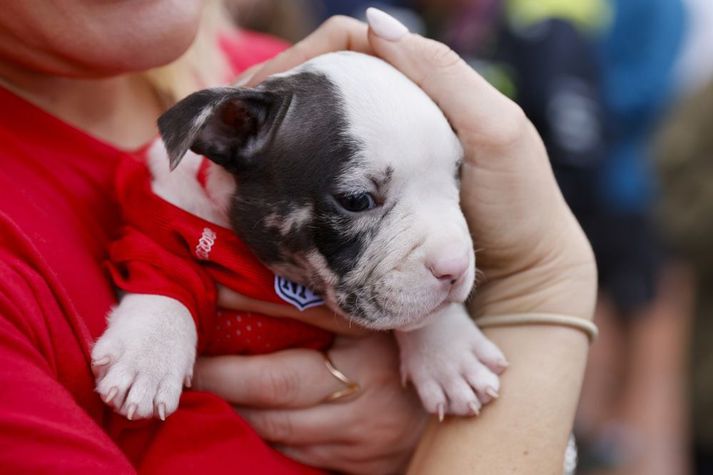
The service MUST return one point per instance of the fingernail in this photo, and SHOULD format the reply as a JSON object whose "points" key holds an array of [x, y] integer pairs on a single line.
{"points": [[384, 25], [491, 392]]}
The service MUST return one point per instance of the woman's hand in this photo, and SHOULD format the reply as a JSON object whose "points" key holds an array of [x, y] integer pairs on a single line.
{"points": [[283, 395]]}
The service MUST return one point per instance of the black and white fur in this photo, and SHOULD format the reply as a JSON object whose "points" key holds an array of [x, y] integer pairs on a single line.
{"points": [[297, 158]]}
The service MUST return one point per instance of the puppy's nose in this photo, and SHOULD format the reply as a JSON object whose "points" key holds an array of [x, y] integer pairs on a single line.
{"points": [[449, 267]]}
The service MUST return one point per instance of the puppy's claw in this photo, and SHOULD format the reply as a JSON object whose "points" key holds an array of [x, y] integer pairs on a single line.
{"points": [[500, 366], [161, 411], [188, 381], [131, 411], [111, 395], [102, 361], [491, 392], [441, 412], [474, 409]]}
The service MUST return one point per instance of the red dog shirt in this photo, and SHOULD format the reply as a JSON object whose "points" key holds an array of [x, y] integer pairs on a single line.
{"points": [[166, 250]]}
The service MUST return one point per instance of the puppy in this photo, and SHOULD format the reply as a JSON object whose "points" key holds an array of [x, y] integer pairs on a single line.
{"points": [[340, 175]]}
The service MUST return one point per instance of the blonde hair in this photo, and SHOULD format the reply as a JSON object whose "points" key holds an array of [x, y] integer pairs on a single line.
{"points": [[202, 65]]}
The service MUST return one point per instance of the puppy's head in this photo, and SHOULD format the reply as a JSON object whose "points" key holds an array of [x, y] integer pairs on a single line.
{"points": [[347, 182]]}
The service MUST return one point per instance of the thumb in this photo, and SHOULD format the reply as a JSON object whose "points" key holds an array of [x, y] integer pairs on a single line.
{"points": [[475, 109]]}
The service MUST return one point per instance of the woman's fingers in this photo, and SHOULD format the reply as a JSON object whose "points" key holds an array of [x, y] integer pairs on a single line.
{"points": [[336, 34], [322, 424], [474, 107], [290, 378]]}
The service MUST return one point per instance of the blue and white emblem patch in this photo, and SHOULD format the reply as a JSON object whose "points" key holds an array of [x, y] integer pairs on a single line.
{"points": [[296, 294]]}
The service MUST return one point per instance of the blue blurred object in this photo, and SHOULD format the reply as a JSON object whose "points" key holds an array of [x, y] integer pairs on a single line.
{"points": [[637, 59]]}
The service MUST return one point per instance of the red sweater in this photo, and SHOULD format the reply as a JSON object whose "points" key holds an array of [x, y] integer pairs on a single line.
{"points": [[58, 216]]}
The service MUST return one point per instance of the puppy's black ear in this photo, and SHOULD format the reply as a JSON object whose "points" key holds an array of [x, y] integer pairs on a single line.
{"points": [[227, 125]]}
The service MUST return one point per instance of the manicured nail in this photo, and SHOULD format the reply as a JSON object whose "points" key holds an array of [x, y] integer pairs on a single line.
{"points": [[441, 412], [491, 392], [101, 361], [112, 394], [384, 25], [162, 411], [474, 409], [131, 411]]}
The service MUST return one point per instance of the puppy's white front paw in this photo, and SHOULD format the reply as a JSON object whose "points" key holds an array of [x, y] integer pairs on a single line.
{"points": [[453, 366], [145, 356]]}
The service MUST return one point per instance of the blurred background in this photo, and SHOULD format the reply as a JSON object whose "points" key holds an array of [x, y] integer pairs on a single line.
{"points": [[622, 93]]}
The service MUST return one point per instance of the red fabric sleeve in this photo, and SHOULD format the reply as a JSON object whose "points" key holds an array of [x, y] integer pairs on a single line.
{"points": [[141, 265], [152, 255], [43, 428]]}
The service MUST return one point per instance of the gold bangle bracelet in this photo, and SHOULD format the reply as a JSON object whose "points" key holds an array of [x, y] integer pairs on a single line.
{"points": [[578, 323]]}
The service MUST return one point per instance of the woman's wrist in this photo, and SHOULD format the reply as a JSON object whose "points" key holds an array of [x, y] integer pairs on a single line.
{"points": [[556, 288], [562, 280]]}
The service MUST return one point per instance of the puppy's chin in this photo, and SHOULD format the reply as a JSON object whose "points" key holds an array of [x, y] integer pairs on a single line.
{"points": [[376, 317], [409, 323]]}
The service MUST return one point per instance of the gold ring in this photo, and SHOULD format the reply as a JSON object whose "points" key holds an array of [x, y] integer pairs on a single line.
{"points": [[351, 388]]}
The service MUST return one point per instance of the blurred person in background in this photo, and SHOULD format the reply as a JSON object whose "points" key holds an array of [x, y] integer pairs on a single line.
{"points": [[634, 409], [685, 158]]}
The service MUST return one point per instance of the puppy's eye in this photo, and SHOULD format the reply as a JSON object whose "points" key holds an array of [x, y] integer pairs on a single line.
{"points": [[356, 202]]}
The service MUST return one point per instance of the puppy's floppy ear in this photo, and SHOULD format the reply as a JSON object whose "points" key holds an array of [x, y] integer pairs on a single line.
{"points": [[228, 125]]}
